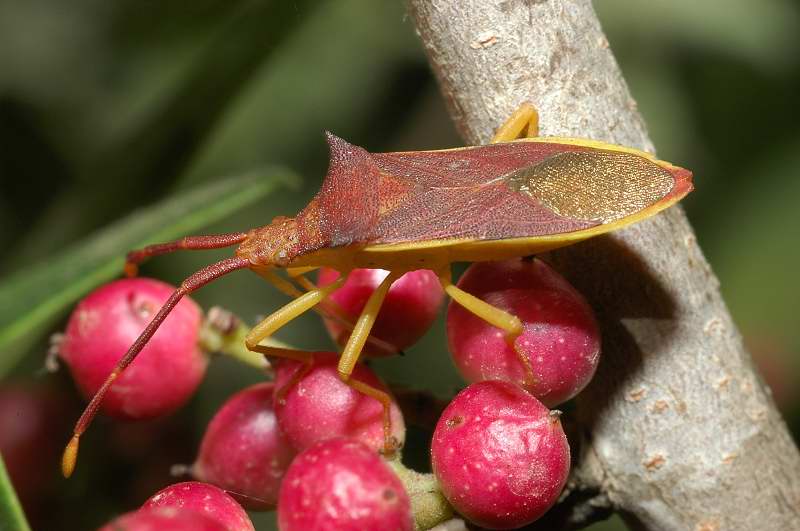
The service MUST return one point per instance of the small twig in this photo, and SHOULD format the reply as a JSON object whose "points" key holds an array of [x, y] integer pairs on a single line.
{"points": [[224, 333]]}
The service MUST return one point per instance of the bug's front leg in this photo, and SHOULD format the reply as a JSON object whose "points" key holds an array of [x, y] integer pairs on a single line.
{"points": [[331, 310], [278, 319], [352, 351], [510, 324], [524, 122]]}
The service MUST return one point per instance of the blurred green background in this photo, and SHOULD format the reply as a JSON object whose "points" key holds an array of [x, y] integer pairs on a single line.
{"points": [[107, 107]]}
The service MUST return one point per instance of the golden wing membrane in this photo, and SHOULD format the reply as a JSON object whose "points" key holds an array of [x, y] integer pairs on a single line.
{"points": [[599, 185]]}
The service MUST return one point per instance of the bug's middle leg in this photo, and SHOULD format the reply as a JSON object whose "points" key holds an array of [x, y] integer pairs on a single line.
{"points": [[524, 122], [510, 324], [352, 351]]}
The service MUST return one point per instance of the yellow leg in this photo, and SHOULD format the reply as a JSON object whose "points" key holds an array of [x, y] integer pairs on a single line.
{"points": [[492, 315], [524, 122], [352, 351], [297, 271], [390, 443], [333, 311], [304, 357], [287, 288], [363, 326], [300, 305], [307, 285], [283, 285], [329, 308], [267, 327]]}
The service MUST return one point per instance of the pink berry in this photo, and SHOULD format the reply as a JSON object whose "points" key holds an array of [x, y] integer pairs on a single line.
{"points": [[341, 484], [501, 457], [560, 338], [244, 451], [162, 519], [407, 312], [108, 321], [208, 500], [322, 406]]}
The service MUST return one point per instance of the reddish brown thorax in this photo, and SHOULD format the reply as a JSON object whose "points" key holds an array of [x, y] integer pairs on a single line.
{"points": [[344, 211]]}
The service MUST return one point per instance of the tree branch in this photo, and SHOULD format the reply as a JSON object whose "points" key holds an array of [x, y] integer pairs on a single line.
{"points": [[677, 431]]}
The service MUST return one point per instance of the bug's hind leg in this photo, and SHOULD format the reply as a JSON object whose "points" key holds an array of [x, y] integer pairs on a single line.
{"points": [[352, 351], [510, 324], [194, 243], [524, 122], [278, 319], [306, 358]]}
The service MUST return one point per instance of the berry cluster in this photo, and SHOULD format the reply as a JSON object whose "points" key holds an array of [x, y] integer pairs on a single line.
{"points": [[314, 447]]}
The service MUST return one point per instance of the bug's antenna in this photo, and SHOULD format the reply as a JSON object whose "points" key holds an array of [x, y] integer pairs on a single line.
{"points": [[192, 243], [192, 283]]}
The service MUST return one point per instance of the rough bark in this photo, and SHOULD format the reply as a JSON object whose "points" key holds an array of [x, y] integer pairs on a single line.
{"points": [[677, 431]]}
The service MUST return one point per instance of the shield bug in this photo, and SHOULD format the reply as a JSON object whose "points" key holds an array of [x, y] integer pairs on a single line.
{"points": [[425, 210]]}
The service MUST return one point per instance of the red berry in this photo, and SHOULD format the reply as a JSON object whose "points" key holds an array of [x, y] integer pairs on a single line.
{"points": [[341, 484], [163, 519], [407, 312], [560, 338], [322, 406], [244, 451], [31, 427], [208, 500], [108, 321], [501, 457]]}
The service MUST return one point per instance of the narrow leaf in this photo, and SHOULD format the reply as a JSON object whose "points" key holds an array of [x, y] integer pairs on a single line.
{"points": [[30, 299], [11, 516]]}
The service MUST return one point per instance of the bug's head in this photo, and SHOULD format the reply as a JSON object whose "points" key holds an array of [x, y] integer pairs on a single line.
{"points": [[271, 245]]}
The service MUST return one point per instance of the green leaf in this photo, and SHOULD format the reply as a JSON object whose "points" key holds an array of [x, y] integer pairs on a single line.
{"points": [[32, 298], [140, 143], [11, 516], [753, 247]]}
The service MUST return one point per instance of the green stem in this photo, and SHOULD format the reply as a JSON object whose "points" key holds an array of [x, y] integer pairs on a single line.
{"points": [[428, 504], [224, 333], [11, 516]]}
